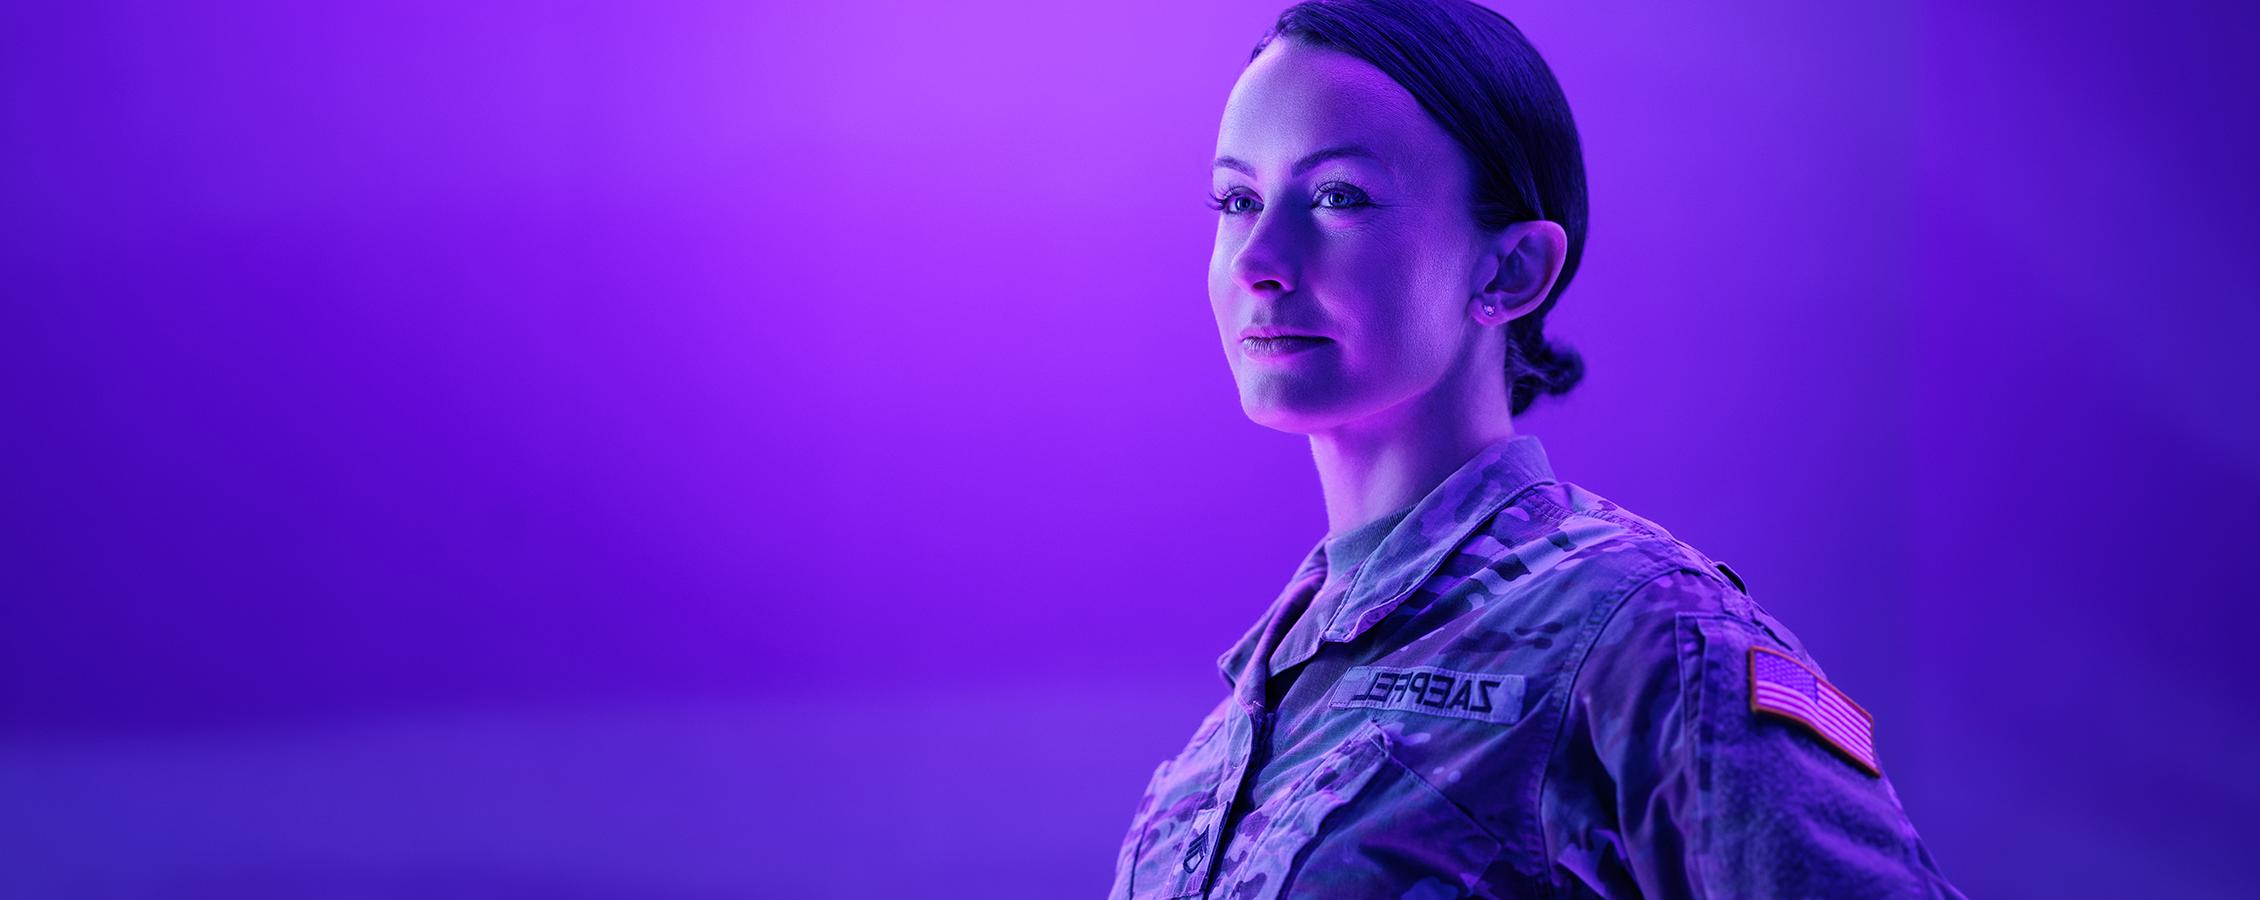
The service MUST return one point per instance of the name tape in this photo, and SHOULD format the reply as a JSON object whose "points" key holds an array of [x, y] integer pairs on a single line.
{"points": [[1428, 689]]}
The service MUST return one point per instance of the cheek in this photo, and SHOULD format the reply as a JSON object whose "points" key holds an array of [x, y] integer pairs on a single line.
{"points": [[1409, 311]]}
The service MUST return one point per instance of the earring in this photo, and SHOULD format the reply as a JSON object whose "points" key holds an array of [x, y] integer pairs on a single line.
{"points": [[1490, 309]]}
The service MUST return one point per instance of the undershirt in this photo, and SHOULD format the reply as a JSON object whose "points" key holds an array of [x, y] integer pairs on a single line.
{"points": [[1345, 554]]}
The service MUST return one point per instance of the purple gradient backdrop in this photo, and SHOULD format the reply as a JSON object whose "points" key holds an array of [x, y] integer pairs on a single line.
{"points": [[579, 450]]}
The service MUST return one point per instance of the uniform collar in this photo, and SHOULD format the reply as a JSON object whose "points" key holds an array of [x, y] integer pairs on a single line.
{"points": [[1414, 549]]}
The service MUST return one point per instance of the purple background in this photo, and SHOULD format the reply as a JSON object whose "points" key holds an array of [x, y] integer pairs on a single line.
{"points": [[577, 450]]}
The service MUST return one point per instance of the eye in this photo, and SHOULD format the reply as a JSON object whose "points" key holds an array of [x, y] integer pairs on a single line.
{"points": [[1227, 202], [1334, 195], [1350, 197]]}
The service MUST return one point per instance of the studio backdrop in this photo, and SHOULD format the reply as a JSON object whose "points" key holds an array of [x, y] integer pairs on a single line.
{"points": [[784, 450]]}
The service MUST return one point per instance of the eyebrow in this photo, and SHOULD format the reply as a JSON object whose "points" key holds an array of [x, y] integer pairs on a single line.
{"points": [[1345, 150]]}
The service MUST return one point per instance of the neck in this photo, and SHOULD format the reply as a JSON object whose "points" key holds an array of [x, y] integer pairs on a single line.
{"points": [[1391, 459]]}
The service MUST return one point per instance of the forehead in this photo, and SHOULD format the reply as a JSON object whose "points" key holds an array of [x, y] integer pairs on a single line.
{"points": [[1298, 97]]}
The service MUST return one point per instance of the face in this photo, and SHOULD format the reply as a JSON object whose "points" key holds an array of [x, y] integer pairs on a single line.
{"points": [[1372, 258]]}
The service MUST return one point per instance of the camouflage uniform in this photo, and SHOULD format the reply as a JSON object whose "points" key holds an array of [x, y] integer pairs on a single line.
{"points": [[1524, 691]]}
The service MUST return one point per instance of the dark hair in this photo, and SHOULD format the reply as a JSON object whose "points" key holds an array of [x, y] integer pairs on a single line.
{"points": [[1481, 80]]}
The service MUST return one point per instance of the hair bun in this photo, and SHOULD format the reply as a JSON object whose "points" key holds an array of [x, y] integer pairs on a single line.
{"points": [[1541, 367]]}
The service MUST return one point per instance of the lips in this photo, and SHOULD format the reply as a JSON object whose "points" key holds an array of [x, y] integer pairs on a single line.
{"points": [[1283, 345]]}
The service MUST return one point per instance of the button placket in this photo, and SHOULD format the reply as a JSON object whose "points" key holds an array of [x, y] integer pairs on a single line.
{"points": [[1201, 849]]}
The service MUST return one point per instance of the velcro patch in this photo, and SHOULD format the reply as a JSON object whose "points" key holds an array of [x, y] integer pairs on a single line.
{"points": [[1437, 692], [1784, 687]]}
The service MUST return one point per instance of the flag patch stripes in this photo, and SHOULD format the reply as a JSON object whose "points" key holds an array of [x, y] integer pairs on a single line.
{"points": [[1784, 687]]}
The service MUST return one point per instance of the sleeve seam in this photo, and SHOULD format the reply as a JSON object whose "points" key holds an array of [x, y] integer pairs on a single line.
{"points": [[1624, 589]]}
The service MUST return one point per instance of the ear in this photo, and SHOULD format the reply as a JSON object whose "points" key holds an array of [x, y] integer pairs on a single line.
{"points": [[1518, 267]]}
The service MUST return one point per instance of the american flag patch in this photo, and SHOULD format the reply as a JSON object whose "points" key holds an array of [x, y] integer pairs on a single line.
{"points": [[1783, 686]]}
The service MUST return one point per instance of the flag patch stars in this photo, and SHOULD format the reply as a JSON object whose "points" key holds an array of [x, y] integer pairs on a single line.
{"points": [[1782, 686]]}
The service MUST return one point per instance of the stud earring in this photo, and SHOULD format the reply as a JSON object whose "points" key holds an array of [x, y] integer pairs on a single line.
{"points": [[1490, 310]]}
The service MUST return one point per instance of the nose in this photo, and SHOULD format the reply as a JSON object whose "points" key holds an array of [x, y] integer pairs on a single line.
{"points": [[1266, 263]]}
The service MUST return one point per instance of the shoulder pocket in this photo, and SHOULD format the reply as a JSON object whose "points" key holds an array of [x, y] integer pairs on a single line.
{"points": [[1361, 823], [1770, 734]]}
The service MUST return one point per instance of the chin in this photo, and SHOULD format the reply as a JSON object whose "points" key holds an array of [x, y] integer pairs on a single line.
{"points": [[1316, 406], [1291, 418], [1276, 423]]}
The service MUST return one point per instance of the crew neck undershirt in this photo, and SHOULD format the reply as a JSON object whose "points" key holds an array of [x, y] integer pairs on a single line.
{"points": [[1345, 554]]}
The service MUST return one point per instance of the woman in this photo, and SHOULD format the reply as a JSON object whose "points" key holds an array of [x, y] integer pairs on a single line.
{"points": [[1483, 680]]}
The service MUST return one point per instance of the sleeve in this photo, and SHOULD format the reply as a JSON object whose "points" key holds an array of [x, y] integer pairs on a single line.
{"points": [[1669, 782]]}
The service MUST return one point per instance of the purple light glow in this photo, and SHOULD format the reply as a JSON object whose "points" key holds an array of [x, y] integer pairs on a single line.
{"points": [[784, 450]]}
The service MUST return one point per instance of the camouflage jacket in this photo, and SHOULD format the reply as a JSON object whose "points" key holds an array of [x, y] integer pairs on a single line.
{"points": [[1524, 691]]}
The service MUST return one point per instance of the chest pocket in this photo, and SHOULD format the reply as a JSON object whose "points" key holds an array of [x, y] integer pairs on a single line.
{"points": [[1175, 816], [1361, 823]]}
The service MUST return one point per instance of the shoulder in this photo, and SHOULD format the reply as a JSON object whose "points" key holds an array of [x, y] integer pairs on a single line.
{"points": [[1694, 719], [1676, 639], [1634, 585], [1574, 543], [1624, 588]]}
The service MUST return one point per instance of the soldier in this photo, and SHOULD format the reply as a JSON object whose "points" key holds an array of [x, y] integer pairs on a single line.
{"points": [[1484, 680]]}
